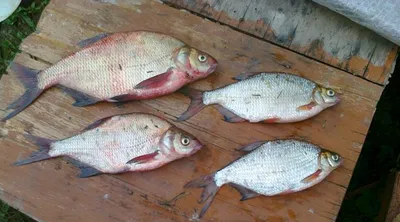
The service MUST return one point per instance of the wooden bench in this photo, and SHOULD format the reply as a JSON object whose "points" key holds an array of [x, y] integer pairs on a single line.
{"points": [[242, 37]]}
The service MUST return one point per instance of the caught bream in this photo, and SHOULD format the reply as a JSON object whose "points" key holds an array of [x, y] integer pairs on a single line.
{"points": [[264, 97], [121, 143], [117, 67], [270, 168]]}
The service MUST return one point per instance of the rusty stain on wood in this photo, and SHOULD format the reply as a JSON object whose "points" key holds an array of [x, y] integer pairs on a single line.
{"points": [[307, 28], [53, 116]]}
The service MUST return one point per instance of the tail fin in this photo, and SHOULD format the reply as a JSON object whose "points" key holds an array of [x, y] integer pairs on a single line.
{"points": [[29, 78], [196, 103], [209, 192], [43, 153]]}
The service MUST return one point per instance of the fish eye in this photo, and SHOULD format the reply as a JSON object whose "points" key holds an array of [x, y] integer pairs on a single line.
{"points": [[330, 92], [185, 141], [335, 157], [202, 58]]}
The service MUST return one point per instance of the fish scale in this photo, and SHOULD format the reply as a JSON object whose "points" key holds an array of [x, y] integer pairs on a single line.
{"points": [[272, 164], [270, 168], [264, 96], [130, 142], [268, 97]]}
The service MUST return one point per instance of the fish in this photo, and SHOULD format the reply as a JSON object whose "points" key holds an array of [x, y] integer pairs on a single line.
{"points": [[263, 97], [270, 168], [117, 144], [117, 67]]}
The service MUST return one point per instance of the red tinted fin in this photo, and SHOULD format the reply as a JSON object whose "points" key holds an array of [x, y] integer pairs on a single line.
{"points": [[156, 81], [143, 159], [29, 78], [43, 153], [312, 177], [272, 120], [228, 115], [245, 75], [246, 193], [251, 146], [196, 103], [81, 99], [306, 107], [209, 192], [92, 40], [97, 123]]}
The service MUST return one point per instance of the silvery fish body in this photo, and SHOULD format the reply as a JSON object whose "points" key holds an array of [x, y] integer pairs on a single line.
{"points": [[271, 168], [133, 142], [268, 97], [117, 67]]}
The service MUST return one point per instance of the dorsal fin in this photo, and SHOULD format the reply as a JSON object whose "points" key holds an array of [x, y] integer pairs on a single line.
{"points": [[92, 40]]}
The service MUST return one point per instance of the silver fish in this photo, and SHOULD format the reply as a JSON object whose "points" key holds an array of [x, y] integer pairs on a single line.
{"points": [[131, 142], [271, 168], [267, 97]]}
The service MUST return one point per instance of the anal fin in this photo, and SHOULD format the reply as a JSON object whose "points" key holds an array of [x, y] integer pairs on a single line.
{"points": [[86, 171], [81, 99], [228, 115], [246, 193]]}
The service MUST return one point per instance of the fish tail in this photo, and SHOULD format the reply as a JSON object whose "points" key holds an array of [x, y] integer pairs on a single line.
{"points": [[43, 153], [209, 192], [29, 78], [196, 103]]}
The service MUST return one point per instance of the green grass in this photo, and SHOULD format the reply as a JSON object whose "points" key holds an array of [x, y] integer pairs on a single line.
{"points": [[9, 214], [15, 28]]}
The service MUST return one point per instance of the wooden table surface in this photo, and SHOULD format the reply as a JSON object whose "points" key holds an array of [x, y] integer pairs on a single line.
{"points": [[50, 190]]}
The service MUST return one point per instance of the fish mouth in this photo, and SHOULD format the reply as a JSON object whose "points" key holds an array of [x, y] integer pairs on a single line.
{"points": [[198, 147]]}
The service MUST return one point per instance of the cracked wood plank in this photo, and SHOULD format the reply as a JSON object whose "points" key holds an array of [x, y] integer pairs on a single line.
{"points": [[64, 23], [307, 28]]}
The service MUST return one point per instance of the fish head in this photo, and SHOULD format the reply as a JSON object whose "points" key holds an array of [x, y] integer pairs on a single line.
{"points": [[181, 143], [329, 160], [326, 97], [195, 63]]}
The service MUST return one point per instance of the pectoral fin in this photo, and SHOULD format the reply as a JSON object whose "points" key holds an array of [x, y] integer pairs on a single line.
{"points": [[143, 159], [307, 106], [312, 177], [246, 193], [272, 120], [156, 81]]}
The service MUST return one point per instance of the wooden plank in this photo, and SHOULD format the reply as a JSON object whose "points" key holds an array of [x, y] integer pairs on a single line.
{"points": [[394, 207], [64, 23], [307, 28]]}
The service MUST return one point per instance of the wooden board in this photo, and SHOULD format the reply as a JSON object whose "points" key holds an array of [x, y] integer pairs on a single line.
{"points": [[50, 191], [308, 28], [394, 207]]}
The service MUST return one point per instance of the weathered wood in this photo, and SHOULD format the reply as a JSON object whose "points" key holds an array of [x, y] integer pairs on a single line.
{"points": [[64, 23], [307, 28], [394, 207]]}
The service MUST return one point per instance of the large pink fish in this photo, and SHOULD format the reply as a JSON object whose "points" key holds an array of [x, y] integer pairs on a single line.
{"points": [[118, 67], [116, 144]]}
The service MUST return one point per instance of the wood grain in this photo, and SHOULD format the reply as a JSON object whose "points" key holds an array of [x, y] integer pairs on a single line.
{"points": [[307, 28], [49, 190]]}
